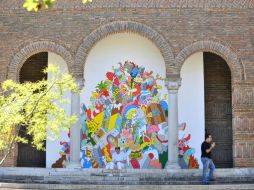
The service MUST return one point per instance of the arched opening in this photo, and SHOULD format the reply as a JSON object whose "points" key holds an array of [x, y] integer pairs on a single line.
{"points": [[31, 71], [205, 105], [125, 103], [218, 108]]}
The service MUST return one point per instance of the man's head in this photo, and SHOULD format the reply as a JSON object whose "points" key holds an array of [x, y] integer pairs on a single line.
{"points": [[208, 138], [117, 149]]}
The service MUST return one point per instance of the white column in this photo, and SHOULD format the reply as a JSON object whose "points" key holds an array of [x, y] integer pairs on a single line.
{"points": [[75, 129], [173, 86]]}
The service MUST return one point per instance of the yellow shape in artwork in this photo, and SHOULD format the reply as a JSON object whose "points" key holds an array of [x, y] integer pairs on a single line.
{"points": [[96, 123], [112, 121], [130, 113]]}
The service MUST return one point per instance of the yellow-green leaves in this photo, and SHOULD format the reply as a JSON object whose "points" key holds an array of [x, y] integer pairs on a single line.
{"points": [[48, 3], [31, 5], [86, 1], [38, 106], [35, 5]]}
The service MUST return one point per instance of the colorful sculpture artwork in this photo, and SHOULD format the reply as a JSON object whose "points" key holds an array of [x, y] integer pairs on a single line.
{"points": [[127, 110]]}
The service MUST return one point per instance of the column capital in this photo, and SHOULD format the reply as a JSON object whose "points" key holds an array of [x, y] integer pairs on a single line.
{"points": [[173, 84], [80, 82]]}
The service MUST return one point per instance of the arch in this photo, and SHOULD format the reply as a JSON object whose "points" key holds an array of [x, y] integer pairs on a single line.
{"points": [[116, 27], [33, 48], [225, 52]]}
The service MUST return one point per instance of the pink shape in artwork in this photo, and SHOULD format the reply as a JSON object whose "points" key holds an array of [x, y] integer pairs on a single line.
{"points": [[155, 163]]}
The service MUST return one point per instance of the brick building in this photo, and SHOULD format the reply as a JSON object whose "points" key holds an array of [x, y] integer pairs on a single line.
{"points": [[221, 30]]}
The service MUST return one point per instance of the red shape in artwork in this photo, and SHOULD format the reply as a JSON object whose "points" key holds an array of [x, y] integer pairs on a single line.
{"points": [[146, 139], [187, 138], [137, 92], [111, 76], [89, 114], [185, 148], [151, 156], [135, 164], [84, 136]]}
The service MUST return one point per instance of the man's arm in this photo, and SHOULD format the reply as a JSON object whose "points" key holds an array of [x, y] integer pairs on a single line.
{"points": [[114, 158], [123, 159], [210, 149]]}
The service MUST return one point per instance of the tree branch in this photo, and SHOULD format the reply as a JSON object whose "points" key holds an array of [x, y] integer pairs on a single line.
{"points": [[8, 150]]}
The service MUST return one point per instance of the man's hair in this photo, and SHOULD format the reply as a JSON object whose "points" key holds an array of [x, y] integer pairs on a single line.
{"points": [[117, 147], [207, 135]]}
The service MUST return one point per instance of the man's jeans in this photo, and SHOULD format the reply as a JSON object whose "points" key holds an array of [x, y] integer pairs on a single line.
{"points": [[207, 163]]}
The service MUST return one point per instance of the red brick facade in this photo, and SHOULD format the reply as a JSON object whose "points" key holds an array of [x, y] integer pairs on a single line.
{"points": [[178, 28]]}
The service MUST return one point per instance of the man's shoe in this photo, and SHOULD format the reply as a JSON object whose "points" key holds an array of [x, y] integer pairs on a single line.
{"points": [[213, 179]]}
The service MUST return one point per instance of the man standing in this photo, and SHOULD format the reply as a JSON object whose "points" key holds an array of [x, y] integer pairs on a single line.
{"points": [[206, 150], [118, 159]]}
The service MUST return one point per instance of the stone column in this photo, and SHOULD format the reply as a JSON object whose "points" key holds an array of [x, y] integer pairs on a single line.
{"points": [[173, 86], [75, 129]]}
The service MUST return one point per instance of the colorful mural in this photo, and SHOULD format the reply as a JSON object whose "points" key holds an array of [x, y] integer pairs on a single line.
{"points": [[128, 110], [186, 154]]}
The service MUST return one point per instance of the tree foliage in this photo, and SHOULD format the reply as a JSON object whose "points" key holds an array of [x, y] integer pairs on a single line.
{"points": [[37, 107], [35, 5]]}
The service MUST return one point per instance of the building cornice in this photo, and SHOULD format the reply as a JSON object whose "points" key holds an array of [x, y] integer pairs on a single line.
{"points": [[170, 4]]}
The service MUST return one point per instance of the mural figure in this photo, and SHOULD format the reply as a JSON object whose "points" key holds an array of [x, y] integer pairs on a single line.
{"points": [[186, 154]]}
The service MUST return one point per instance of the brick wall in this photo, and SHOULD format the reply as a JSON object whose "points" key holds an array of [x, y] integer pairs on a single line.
{"points": [[243, 124], [220, 26]]}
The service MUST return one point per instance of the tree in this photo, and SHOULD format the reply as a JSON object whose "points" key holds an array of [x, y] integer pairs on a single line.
{"points": [[35, 5], [37, 107]]}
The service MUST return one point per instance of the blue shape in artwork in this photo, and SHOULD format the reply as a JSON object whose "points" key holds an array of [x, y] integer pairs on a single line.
{"points": [[64, 146], [156, 113], [83, 122], [189, 152], [84, 108], [128, 108], [182, 163], [119, 121], [134, 72], [150, 82], [86, 162], [164, 105]]}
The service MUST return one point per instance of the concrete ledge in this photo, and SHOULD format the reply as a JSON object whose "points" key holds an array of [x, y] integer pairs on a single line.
{"points": [[126, 187], [46, 172]]}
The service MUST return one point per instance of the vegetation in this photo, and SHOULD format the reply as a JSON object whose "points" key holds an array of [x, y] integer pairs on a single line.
{"points": [[37, 107], [35, 5]]}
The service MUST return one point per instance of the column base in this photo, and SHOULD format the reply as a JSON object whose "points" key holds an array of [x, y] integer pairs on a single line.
{"points": [[73, 165], [172, 166]]}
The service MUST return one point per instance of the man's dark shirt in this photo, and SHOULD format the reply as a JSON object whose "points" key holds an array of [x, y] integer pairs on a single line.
{"points": [[204, 147]]}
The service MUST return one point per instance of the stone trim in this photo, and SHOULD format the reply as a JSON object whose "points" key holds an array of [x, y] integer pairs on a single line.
{"points": [[33, 48], [116, 27], [235, 65], [173, 4], [173, 85]]}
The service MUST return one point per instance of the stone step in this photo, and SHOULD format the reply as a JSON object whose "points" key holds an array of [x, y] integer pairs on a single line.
{"points": [[122, 180], [19, 186], [125, 178]]}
